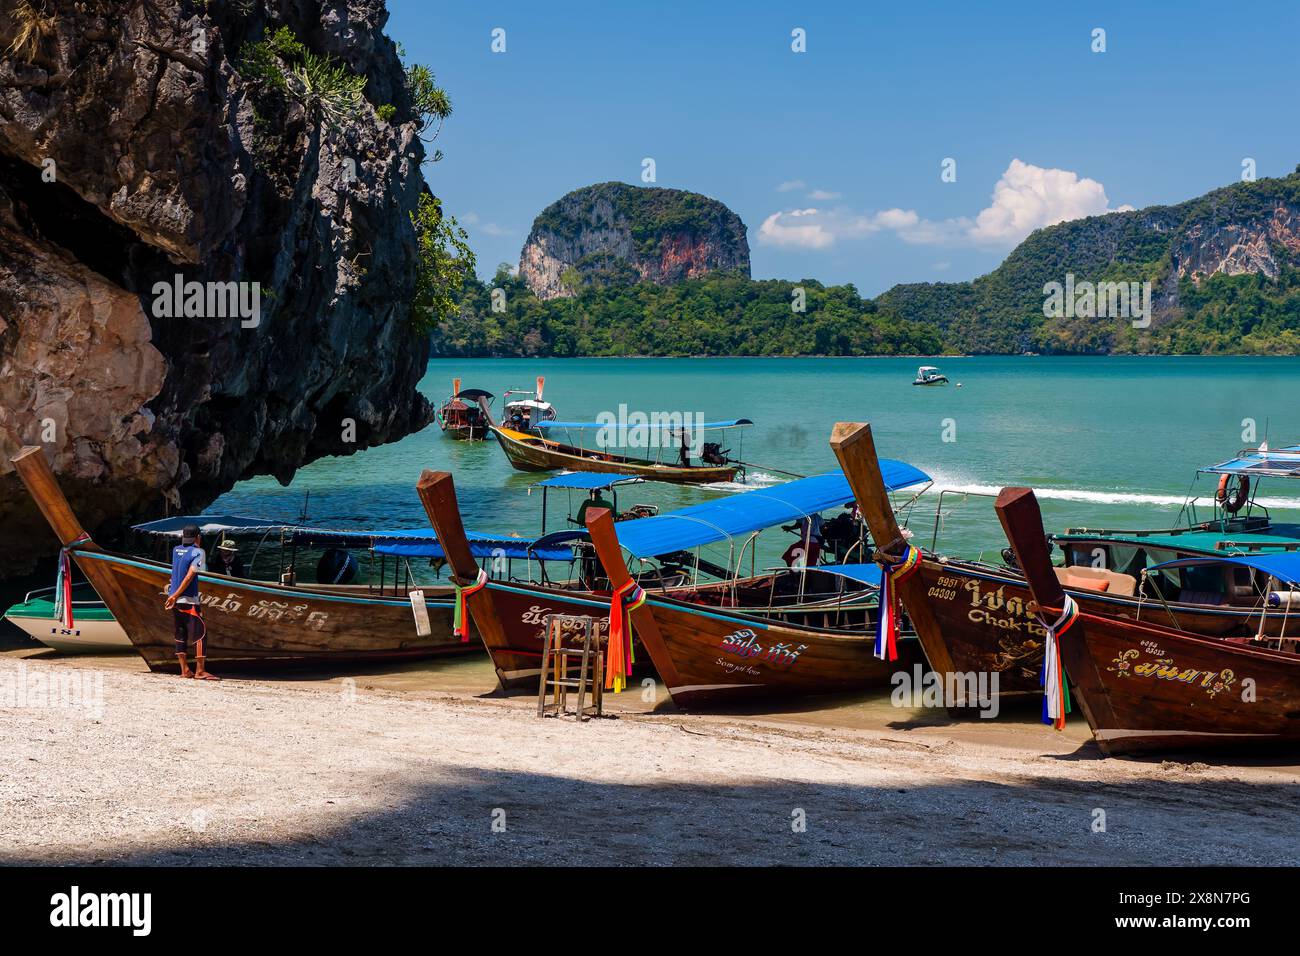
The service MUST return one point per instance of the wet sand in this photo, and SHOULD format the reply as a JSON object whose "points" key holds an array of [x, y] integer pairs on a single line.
{"points": [[427, 764]]}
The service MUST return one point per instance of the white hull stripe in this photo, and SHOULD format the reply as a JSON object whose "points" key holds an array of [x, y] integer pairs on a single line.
{"points": [[696, 688], [1121, 734], [513, 675]]}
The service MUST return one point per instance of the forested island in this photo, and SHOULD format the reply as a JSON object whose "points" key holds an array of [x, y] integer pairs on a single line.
{"points": [[1223, 273]]}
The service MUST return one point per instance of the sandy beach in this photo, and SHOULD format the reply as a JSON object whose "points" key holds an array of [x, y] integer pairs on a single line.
{"points": [[152, 769]]}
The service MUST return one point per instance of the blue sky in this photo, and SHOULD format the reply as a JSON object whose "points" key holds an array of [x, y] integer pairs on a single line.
{"points": [[856, 127]]}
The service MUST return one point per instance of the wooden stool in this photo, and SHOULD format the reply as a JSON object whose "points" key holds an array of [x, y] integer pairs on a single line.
{"points": [[557, 670]]}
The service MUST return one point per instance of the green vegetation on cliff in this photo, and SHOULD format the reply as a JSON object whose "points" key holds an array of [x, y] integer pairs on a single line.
{"points": [[651, 213], [1186, 252], [1003, 311], [719, 314]]}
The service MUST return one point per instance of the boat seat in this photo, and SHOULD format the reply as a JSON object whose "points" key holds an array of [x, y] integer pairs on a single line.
{"points": [[1097, 579], [1187, 596]]}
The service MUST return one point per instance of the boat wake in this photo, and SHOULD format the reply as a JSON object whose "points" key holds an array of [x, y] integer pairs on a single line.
{"points": [[755, 479], [1109, 497]]}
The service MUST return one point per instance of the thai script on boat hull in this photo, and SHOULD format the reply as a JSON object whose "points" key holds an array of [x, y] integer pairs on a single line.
{"points": [[745, 645], [275, 612], [1128, 664]]}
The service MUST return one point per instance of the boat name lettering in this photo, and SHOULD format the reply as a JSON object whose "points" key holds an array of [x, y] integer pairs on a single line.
{"points": [[1028, 626], [731, 667], [1128, 663], [744, 643], [537, 615], [996, 600], [266, 610]]}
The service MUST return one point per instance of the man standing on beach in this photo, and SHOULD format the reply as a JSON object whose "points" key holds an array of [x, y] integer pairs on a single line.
{"points": [[183, 602]]}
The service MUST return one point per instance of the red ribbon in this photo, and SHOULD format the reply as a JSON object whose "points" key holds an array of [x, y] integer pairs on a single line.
{"points": [[64, 585], [618, 657]]}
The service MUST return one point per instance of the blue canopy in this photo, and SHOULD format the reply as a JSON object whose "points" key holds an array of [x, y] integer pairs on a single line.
{"points": [[588, 480], [1284, 565], [481, 546], [212, 524], [423, 543], [868, 574], [750, 511], [1276, 462], [688, 426]]}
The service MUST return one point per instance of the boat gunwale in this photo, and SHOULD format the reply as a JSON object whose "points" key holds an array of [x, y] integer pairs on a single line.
{"points": [[113, 557]]}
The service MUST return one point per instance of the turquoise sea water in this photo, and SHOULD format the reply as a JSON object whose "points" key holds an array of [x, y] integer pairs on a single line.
{"points": [[1107, 442]]}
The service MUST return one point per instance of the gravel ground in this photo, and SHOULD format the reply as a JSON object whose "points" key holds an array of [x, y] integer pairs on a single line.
{"points": [[276, 772]]}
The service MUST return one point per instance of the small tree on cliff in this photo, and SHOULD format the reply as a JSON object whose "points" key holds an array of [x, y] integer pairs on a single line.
{"points": [[444, 260]]}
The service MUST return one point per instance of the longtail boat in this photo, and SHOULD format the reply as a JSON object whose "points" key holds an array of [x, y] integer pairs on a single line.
{"points": [[525, 413], [247, 622], [464, 416], [1144, 687], [705, 654], [536, 452], [93, 628], [839, 596], [973, 616]]}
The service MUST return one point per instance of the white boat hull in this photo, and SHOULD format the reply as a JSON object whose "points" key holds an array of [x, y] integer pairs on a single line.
{"points": [[85, 637]]}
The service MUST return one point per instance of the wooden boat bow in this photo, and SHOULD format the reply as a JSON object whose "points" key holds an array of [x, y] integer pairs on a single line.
{"points": [[600, 523], [1022, 521], [437, 491], [856, 450], [38, 477]]}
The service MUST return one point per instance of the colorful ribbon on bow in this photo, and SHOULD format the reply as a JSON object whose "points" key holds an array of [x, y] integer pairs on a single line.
{"points": [[1056, 692], [63, 585], [460, 623], [887, 621], [619, 656]]}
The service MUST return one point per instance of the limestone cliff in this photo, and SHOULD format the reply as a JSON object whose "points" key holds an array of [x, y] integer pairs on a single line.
{"points": [[132, 150], [1189, 253], [615, 232]]}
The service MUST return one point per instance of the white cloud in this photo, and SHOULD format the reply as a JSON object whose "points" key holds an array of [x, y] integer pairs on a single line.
{"points": [[791, 185], [1029, 197], [798, 228], [821, 228], [1025, 198], [487, 228]]}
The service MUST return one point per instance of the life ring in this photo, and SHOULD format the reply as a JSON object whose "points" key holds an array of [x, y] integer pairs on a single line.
{"points": [[1232, 504]]}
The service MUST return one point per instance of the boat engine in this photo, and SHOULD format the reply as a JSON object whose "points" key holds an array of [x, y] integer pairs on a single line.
{"points": [[714, 454]]}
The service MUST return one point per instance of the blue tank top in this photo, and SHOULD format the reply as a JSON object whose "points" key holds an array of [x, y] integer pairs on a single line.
{"points": [[185, 556]]}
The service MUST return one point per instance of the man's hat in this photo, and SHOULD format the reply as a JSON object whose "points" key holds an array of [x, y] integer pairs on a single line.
{"points": [[228, 545], [189, 534]]}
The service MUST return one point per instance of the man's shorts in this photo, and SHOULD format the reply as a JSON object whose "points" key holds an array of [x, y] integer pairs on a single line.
{"points": [[188, 626]]}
